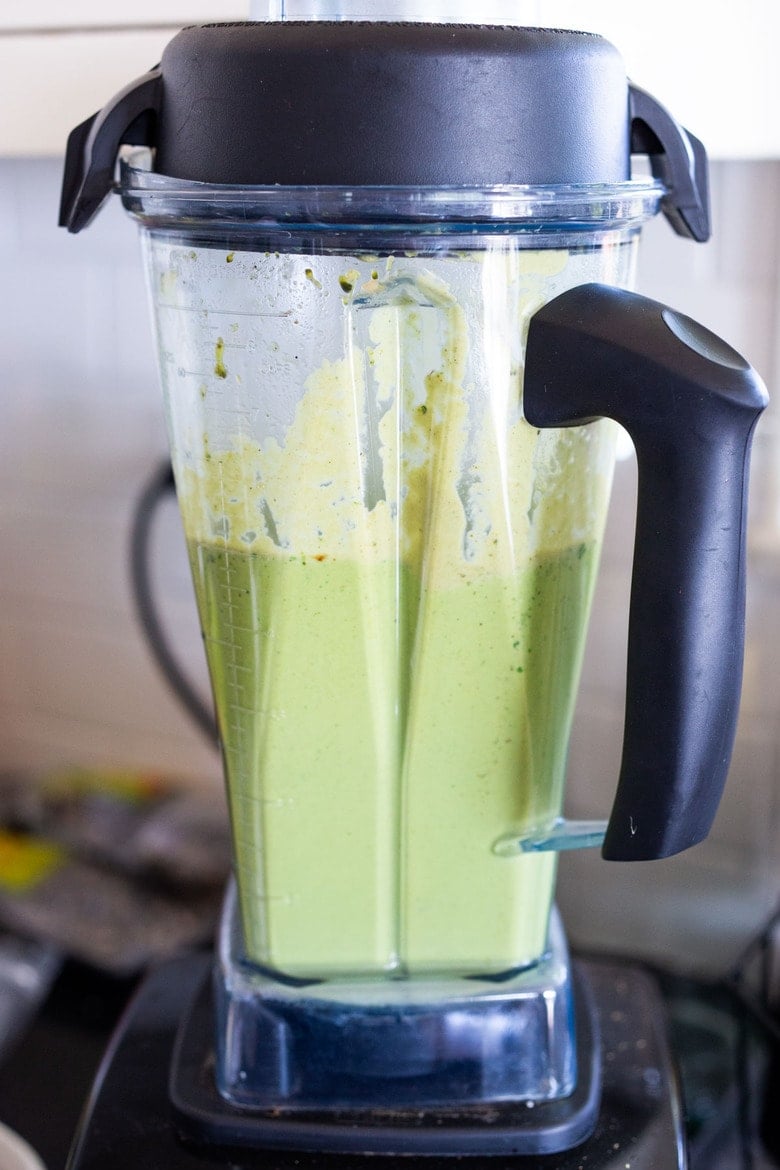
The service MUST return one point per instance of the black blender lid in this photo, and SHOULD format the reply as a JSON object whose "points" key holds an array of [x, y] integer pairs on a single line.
{"points": [[378, 104], [316, 103]]}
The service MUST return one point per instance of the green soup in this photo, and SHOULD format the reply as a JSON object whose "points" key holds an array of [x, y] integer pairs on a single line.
{"points": [[378, 738]]}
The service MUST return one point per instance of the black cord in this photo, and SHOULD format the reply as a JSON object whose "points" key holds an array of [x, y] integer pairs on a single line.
{"points": [[159, 486], [755, 944], [744, 1096], [754, 1008]]}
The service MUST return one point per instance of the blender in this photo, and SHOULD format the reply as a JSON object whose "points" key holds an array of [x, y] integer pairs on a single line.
{"points": [[389, 264]]}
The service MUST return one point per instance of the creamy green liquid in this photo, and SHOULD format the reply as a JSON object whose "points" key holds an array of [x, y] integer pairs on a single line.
{"points": [[394, 572], [379, 737]]}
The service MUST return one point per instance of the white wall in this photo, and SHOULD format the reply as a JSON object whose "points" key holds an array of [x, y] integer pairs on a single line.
{"points": [[81, 430]]}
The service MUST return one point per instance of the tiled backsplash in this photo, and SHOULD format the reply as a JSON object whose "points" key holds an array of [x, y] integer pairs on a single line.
{"points": [[81, 431]]}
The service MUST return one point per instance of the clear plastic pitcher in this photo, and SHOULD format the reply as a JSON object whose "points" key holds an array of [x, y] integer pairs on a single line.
{"points": [[393, 569], [388, 265]]}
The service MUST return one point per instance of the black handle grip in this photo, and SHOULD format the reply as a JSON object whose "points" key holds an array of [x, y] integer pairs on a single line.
{"points": [[90, 158], [690, 404], [678, 159]]}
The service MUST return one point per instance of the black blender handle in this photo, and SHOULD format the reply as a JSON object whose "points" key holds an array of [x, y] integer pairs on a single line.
{"points": [[90, 158], [690, 403]]}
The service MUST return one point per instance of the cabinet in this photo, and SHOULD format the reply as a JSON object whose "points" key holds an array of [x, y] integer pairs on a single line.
{"points": [[712, 66], [59, 63]]}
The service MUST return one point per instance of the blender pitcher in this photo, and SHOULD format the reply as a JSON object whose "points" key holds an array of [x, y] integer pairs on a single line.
{"points": [[393, 572], [394, 508]]}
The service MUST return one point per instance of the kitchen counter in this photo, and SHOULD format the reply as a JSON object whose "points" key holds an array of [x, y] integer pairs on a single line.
{"points": [[46, 1078]]}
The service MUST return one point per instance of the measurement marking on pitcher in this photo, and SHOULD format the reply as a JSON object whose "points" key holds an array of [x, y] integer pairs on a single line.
{"points": [[253, 630], [240, 716], [240, 650], [254, 313], [249, 710]]}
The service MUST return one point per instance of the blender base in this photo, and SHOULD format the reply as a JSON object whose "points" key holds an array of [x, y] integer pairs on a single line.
{"points": [[395, 1126], [380, 1048], [129, 1121]]}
